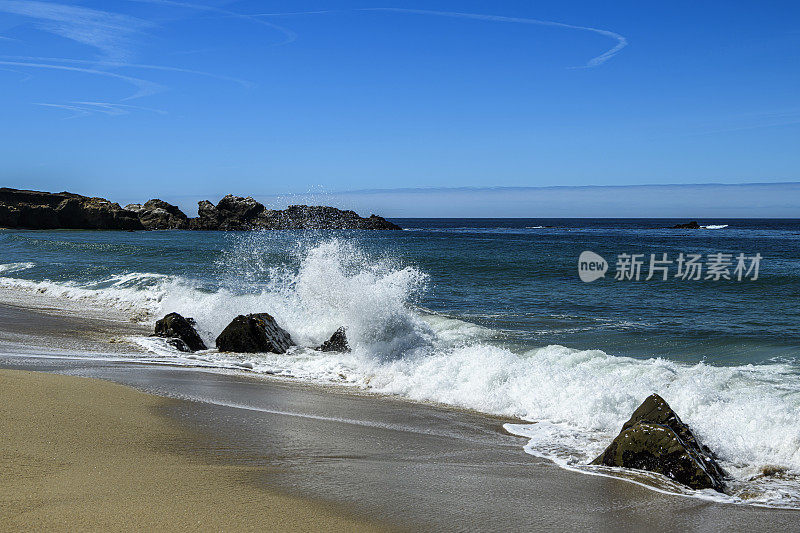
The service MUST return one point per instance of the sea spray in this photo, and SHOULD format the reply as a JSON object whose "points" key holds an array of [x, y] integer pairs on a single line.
{"points": [[575, 400]]}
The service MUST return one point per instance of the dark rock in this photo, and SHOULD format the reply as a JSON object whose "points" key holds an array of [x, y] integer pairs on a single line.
{"points": [[239, 208], [231, 213], [44, 210], [254, 333], [179, 345], [337, 342], [320, 217], [655, 439], [208, 217], [157, 214], [689, 225], [238, 213], [175, 326]]}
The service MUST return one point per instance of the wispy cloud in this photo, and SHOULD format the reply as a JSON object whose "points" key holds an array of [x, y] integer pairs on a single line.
{"points": [[77, 111], [110, 108], [145, 87], [114, 35], [23, 76], [289, 35], [109, 33], [106, 108], [117, 64], [622, 42]]}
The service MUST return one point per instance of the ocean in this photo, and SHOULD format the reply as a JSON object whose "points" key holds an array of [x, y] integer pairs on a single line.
{"points": [[490, 315]]}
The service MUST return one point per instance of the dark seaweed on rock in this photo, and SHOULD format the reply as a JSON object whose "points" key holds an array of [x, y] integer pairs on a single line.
{"points": [[655, 439]]}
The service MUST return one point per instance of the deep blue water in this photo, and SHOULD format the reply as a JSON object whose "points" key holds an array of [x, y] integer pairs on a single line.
{"points": [[517, 276], [486, 314]]}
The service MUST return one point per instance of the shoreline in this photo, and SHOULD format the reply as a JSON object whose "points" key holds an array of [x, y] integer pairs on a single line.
{"points": [[87, 453], [408, 464]]}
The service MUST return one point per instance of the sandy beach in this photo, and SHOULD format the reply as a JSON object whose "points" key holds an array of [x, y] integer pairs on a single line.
{"points": [[188, 448], [86, 454]]}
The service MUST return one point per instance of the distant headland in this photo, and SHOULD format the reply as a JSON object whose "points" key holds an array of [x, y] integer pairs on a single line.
{"points": [[64, 210]]}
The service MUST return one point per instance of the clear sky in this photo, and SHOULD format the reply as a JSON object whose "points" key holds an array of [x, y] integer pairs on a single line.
{"points": [[139, 98]]}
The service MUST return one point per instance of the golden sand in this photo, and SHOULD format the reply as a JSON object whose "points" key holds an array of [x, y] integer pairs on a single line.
{"points": [[79, 453]]}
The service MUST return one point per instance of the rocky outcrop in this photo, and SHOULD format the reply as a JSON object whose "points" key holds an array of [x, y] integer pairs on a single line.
{"points": [[337, 342], [320, 217], [689, 225], [255, 333], [177, 328], [43, 210], [231, 213], [157, 214], [240, 213], [655, 439]]}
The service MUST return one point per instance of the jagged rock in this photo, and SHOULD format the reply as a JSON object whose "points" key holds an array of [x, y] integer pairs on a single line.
{"points": [[655, 439], [157, 214], [239, 208], [689, 225], [239, 213], [43, 210], [337, 342], [320, 217], [174, 326], [231, 213], [208, 217], [255, 333]]}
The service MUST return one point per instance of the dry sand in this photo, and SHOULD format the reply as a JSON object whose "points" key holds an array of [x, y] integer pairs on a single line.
{"points": [[81, 453]]}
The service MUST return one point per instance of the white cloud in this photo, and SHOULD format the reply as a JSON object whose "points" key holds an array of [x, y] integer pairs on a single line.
{"points": [[109, 33]]}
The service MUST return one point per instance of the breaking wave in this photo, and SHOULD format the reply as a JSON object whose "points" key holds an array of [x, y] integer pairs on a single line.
{"points": [[574, 401]]}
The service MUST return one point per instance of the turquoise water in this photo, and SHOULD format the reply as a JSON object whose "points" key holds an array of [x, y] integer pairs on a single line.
{"points": [[485, 314]]}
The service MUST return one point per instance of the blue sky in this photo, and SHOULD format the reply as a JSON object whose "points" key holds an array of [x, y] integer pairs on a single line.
{"points": [[139, 98]]}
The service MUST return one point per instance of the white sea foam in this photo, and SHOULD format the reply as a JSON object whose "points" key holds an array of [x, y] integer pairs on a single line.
{"points": [[718, 226], [8, 268], [575, 400]]}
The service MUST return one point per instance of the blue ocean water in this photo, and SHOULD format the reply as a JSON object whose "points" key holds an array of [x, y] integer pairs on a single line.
{"points": [[488, 314]]}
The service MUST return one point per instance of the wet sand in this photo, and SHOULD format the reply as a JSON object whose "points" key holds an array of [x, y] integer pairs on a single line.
{"points": [[79, 453], [411, 465]]}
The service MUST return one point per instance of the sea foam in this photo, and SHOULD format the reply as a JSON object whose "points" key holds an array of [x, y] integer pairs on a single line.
{"points": [[574, 401]]}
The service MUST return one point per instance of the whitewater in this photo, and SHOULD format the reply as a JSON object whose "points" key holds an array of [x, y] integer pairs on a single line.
{"points": [[573, 401]]}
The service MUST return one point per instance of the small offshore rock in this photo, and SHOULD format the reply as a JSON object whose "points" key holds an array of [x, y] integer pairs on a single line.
{"points": [[254, 333], [175, 326], [689, 225], [655, 439], [337, 342]]}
